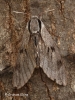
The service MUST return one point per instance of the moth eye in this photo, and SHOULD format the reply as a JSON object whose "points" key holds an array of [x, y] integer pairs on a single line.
{"points": [[53, 49], [21, 51], [59, 63]]}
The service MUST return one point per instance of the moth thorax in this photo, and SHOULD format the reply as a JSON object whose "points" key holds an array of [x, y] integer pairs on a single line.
{"points": [[36, 38], [34, 26]]}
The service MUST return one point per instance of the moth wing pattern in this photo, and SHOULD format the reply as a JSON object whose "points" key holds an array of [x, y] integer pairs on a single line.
{"points": [[25, 64], [50, 59]]}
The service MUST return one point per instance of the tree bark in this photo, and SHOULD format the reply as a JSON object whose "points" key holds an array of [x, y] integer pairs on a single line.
{"points": [[59, 19]]}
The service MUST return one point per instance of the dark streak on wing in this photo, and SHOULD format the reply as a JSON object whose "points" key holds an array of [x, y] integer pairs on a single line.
{"points": [[48, 50], [59, 64], [53, 49]]}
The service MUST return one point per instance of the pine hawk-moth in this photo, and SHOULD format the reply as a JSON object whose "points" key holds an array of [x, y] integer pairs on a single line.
{"points": [[38, 49]]}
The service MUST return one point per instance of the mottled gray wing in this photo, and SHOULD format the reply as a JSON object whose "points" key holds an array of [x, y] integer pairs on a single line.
{"points": [[25, 62], [50, 59]]}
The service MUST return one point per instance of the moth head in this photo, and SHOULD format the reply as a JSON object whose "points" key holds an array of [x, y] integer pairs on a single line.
{"points": [[34, 25]]}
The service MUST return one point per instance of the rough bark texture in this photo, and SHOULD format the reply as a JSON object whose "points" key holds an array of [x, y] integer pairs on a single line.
{"points": [[59, 18]]}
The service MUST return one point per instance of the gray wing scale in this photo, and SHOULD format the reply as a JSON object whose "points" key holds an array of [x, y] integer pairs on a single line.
{"points": [[23, 70], [50, 59]]}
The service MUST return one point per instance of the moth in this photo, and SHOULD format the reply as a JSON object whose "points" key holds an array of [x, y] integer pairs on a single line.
{"points": [[38, 49]]}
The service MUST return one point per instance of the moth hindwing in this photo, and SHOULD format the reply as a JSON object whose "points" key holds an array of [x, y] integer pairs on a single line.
{"points": [[38, 49]]}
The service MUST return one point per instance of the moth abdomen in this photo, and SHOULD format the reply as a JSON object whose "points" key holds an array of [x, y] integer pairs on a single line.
{"points": [[37, 62]]}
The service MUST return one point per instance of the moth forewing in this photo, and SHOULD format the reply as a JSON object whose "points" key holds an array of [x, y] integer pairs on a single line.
{"points": [[55, 68]]}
